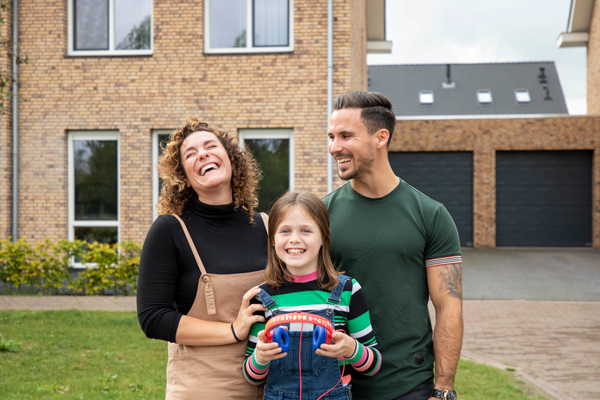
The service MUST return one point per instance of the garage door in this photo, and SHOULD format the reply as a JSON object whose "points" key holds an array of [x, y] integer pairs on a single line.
{"points": [[444, 176], [544, 198]]}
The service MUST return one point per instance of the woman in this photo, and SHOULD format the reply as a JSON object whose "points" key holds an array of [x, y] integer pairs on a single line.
{"points": [[201, 262]]}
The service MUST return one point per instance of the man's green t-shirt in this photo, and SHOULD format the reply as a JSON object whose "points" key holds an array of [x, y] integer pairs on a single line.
{"points": [[386, 244]]}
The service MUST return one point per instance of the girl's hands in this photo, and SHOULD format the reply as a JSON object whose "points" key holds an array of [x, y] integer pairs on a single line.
{"points": [[343, 346], [266, 351], [246, 316]]}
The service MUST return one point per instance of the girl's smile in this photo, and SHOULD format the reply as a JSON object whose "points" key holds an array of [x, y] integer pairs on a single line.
{"points": [[297, 242]]}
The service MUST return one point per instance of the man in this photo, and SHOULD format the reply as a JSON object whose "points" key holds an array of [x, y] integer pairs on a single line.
{"points": [[402, 247]]}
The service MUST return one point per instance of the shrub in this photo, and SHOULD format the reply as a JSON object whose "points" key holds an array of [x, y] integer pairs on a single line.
{"points": [[48, 266]]}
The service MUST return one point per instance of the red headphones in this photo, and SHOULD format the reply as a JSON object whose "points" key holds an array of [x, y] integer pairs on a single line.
{"points": [[322, 334]]}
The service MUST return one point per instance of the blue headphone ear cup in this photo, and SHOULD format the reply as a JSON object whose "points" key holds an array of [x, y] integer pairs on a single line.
{"points": [[280, 336], [319, 337]]}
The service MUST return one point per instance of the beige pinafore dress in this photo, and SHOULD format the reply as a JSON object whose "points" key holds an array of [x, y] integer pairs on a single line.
{"points": [[213, 372]]}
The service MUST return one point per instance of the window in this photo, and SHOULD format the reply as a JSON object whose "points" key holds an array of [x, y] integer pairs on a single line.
{"points": [[242, 26], [522, 96], [110, 27], [426, 97], [94, 186], [158, 138], [274, 151], [484, 96]]}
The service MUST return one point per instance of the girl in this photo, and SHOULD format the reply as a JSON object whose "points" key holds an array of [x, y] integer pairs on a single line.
{"points": [[301, 277]]}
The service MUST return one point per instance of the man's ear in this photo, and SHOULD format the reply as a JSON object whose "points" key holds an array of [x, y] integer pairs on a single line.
{"points": [[383, 135]]}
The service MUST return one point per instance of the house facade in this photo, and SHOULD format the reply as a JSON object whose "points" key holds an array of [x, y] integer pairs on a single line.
{"points": [[108, 80]]}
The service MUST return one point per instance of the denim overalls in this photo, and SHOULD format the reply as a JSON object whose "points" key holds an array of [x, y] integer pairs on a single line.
{"points": [[319, 373]]}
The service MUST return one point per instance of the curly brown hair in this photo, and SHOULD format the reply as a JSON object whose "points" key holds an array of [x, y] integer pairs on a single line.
{"points": [[176, 196]]}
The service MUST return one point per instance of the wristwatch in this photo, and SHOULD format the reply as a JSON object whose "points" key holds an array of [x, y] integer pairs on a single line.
{"points": [[444, 394]]}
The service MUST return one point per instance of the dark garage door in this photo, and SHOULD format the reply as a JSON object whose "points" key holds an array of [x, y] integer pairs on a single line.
{"points": [[444, 176], [544, 198]]}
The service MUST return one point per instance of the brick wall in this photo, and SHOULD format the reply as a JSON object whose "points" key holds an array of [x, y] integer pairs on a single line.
{"points": [[135, 95], [6, 142], [593, 63], [486, 136]]}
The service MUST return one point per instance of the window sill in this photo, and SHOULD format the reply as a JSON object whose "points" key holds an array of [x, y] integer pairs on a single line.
{"points": [[250, 51], [138, 53]]}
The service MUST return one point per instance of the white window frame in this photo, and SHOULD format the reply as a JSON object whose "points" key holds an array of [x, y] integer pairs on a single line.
{"points": [[484, 92], [422, 99], [155, 144], [111, 35], [526, 91], [244, 134], [91, 135], [249, 34]]}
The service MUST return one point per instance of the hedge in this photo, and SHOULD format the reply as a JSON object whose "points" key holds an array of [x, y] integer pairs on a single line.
{"points": [[47, 266]]}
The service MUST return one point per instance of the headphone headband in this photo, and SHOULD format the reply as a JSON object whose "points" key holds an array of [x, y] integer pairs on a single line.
{"points": [[299, 317]]}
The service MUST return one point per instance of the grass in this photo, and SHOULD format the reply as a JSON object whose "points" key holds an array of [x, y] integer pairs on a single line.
{"points": [[80, 355], [105, 355]]}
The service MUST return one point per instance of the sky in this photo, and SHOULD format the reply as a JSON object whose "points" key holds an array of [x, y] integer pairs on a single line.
{"points": [[481, 31]]}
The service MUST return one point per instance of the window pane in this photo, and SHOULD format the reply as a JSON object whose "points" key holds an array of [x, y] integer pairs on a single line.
{"points": [[227, 23], [163, 139], [271, 23], [95, 179], [133, 24], [91, 25], [273, 156], [97, 234]]}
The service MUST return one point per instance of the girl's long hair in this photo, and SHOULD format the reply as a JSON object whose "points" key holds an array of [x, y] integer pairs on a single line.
{"points": [[277, 273]]}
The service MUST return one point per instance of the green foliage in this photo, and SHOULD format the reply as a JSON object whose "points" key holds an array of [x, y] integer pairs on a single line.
{"points": [[47, 266], [9, 345]]}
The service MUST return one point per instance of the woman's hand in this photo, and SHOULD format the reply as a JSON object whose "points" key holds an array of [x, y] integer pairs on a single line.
{"points": [[246, 316], [266, 351], [344, 346]]}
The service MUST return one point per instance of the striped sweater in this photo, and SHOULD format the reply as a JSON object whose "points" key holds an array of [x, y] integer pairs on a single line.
{"points": [[351, 315]]}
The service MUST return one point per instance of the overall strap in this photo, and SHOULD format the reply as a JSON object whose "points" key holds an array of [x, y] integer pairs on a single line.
{"points": [[269, 302], [265, 219], [335, 298], [209, 294], [191, 243]]}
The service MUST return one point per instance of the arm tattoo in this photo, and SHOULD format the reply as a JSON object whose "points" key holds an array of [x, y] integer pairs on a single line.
{"points": [[451, 279]]}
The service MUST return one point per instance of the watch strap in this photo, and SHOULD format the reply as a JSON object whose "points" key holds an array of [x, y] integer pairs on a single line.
{"points": [[438, 394]]}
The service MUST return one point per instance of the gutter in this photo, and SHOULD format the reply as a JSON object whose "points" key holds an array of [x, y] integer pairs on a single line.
{"points": [[329, 89], [15, 117]]}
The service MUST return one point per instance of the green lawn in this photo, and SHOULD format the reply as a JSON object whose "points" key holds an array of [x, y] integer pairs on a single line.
{"points": [[105, 355]]}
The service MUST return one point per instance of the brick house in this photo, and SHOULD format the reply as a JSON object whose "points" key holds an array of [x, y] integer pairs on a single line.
{"points": [[109, 79]]}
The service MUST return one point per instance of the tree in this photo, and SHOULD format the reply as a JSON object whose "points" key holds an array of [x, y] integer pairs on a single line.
{"points": [[138, 37]]}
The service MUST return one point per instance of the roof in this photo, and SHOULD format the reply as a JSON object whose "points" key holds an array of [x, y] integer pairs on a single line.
{"points": [[402, 84], [578, 24]]}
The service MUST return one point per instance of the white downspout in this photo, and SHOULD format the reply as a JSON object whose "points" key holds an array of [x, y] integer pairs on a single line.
{"points": [[329, 89], [15, 117]]}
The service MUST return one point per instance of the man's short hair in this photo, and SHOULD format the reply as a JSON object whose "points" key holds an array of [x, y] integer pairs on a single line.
{"points": [[376, 111]]}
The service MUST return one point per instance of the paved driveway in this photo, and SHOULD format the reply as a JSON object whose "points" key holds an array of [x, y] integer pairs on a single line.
{"points": [[536, 310], [531, 274]]}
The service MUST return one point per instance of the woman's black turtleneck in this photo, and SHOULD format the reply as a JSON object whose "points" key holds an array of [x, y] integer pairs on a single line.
{"points": [[168, 276]]}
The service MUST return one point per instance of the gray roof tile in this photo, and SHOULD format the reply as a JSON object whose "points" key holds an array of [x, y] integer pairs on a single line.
{"points": [[403, 83]]}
